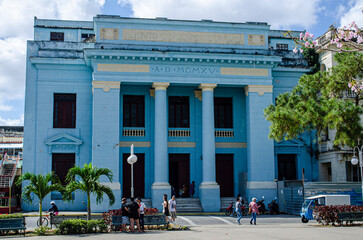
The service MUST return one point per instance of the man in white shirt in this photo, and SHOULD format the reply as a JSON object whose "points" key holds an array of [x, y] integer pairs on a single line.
{"points": [[142, 208], [172, 208]]}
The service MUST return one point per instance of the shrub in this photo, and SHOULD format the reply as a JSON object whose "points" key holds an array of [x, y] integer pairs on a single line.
{"points": [[329, 214], [7, 216], [79, 226], [41, 230], [151, 211]]}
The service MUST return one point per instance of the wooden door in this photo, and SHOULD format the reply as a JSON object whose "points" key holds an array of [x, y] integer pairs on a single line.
{"points": [[139, 176], [224, 174]]}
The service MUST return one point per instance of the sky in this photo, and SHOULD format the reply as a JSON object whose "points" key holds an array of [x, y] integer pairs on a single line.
{"points": [[17, 18]]}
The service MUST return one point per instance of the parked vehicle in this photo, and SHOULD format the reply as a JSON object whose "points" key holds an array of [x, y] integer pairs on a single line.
{"points": [[274, 207], [231, 210], [310, 203], [261, 206]]}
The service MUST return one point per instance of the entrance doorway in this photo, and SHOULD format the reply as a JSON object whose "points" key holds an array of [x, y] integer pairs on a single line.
{"points": [[224, 174], [139, 176], [286, 166], [179, 177]]}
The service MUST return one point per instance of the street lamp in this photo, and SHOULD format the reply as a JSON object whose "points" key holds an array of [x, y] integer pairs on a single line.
{"points": [[131, 160], [355, 161]]}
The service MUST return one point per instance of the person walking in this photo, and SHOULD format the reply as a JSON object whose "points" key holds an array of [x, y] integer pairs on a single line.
{"points": [[142, 208], [172, 206], [125, 214], [253, 209], [134, 215], [166, 207], [238, 210]]}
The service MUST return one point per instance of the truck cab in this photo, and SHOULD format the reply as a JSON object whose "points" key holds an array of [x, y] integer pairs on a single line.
{"points": [[310, 203]]}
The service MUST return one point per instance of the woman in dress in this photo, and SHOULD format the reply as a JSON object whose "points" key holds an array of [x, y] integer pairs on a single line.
{"points": [[166, 207]]}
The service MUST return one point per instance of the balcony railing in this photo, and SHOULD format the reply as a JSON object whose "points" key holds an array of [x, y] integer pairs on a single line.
{"points": [[224, 133], [179, 133], [133, 132]]}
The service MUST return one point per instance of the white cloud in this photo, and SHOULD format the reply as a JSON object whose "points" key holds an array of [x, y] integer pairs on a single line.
{"points": [[354, 13], [277, 13], [12, 122], [16, 26]]}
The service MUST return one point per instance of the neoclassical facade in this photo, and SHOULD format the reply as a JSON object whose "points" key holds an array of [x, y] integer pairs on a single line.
{"points": [[190, 96]]}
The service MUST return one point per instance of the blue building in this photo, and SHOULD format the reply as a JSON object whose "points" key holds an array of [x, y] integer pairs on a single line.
{"points": [[189, 95]]}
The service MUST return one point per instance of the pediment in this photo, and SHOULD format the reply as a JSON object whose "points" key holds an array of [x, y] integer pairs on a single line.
{"points": [[63, 139], [294, 142]]}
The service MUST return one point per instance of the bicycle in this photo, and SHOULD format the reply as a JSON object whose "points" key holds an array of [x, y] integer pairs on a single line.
{"points": [[45, 220]]}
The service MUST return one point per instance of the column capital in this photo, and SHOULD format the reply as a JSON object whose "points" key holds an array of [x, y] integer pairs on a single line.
{"points": [[207, 87], [160, 85], [260, 89], [106, 85]]}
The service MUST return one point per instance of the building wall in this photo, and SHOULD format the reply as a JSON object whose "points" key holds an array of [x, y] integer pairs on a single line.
{"points": [[128, 57]]}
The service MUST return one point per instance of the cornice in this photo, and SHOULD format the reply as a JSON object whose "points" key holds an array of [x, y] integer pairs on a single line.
{"points": [[260, 89]]}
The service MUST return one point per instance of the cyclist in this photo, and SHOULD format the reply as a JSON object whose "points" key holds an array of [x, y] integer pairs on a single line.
{"points": [[54, 209]]}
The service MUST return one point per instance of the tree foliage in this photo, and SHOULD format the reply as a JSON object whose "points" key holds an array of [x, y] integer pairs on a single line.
{"points": [[41, 185], [87, 179], [320, 101]]}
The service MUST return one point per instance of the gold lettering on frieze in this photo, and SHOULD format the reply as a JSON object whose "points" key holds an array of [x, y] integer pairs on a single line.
{"points": [[101, 67], [182, 36], [109, 33]]}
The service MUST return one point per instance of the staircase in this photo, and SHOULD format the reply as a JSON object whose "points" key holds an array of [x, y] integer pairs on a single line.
{"points": [[6, 174], [226, 201], [188, 205]]}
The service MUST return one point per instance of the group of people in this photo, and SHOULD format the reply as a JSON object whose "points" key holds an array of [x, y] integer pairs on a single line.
{"points": [[253, 210], [169, 208], [133, 213], [185, 191]]}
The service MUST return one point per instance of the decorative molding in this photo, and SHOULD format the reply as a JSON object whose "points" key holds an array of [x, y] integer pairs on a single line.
{"points": [[209, 185], [63, 142], [106, 85], [181, 144], [260, 89], [152, 92], [103, 67], [207, 87], [136, 144], [244, 71], [160, 86], [261, 185], [161, 185], [231, 145], [198, 94], [109, 33], [182, 36], [256, 40]]}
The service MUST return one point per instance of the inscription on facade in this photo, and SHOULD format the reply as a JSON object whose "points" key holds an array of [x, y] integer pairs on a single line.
{"points": [[256, 40], [182, 36], [195, 70]]}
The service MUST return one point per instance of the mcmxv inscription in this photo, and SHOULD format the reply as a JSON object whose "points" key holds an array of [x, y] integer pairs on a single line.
{"points": [[195, 70]]}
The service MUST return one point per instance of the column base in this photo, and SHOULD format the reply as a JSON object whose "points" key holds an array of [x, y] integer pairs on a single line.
{"points": [[105, 204], [158, 189], [210, 196], [261, 190]]}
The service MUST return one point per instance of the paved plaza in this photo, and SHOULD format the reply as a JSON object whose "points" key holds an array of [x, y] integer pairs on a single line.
{"points": [[280, 227]]}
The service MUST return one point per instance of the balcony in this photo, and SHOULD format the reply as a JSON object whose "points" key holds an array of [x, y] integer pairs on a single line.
{"points": [[224, 133], [133, 132], [179, 133]]}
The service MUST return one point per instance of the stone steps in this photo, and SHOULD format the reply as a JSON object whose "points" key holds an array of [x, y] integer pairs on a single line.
{"points": [[188, 205], [226, 201]]}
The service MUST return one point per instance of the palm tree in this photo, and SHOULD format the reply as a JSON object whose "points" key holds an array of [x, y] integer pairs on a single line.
{"points": [[89, 182], [39, 185]]}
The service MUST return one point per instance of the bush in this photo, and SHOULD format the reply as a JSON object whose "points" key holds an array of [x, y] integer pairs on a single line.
{"points": [[151, 211], [79, 226], [7, 216], [329, 214], [41, 230]]}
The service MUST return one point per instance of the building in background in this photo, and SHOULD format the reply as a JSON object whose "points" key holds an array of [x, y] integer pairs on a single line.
{"points": [[190, 95]]}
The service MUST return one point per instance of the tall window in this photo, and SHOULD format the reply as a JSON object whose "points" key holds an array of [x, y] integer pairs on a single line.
{"points": [[223, 112], [134, 111], [57, 36], [61, 163], [286, 164], [64, 112], [179, 112]]}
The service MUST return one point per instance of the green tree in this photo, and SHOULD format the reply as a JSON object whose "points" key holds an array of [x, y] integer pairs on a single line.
{"points": [[41, 185], [87, 179], [321, 101]]}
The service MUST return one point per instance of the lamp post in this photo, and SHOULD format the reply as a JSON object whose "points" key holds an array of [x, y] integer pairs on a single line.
{"points": [[355, 161], [131, 160]]}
